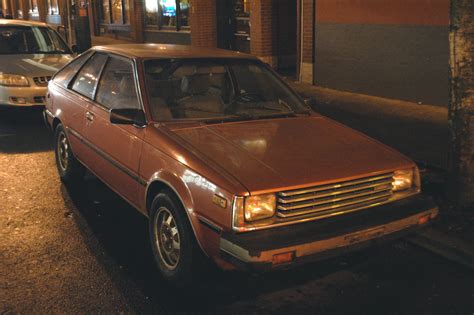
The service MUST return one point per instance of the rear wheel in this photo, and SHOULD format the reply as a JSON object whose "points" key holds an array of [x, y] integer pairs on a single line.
{"points": [[69, 168], [175, 249]]}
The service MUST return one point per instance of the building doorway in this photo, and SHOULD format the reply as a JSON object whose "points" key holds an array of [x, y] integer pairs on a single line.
{"points": [[233, 24], [286, 34]]}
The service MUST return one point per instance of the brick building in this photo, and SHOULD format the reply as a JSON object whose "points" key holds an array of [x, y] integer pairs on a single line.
{"points": [[390, 48]]}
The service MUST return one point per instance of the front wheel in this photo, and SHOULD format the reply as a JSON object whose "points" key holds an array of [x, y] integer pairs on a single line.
{"points": [[175, 249], [69, 168]]}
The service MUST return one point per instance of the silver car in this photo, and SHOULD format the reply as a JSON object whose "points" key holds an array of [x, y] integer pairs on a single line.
{"points": [[30, 53]]}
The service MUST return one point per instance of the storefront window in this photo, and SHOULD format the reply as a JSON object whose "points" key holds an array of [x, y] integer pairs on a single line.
{"points": [[126, 10], [151, 12], [53, 7], [167, 14], [184, 13], [115, 12], [105, 12], [34, 7]]}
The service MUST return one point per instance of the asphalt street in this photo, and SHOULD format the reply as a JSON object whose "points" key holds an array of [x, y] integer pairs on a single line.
{"points": [[85, 250]]}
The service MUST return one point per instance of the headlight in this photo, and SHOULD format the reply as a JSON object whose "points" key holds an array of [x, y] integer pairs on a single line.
{"points": [[252, 208], [259, 207], [13, 80], [405, 179]]}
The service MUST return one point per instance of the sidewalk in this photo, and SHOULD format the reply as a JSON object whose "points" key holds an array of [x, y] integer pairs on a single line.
{"points": [[107, 40], [420, 132]]}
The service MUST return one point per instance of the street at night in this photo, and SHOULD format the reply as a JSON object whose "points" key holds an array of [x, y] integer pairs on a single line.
{"points": [[237, 156], [86, 250]]}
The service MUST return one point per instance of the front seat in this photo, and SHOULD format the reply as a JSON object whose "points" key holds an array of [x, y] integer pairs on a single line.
{"points": [[198, 102]]}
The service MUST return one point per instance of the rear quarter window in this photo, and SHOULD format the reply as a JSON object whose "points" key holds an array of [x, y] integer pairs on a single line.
{"points": [[65, 75], [85, 82]]}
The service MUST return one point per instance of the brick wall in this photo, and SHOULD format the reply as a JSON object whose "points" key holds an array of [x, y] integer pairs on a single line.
{"points": [[262, 30], [137, 20], [203, 23]]}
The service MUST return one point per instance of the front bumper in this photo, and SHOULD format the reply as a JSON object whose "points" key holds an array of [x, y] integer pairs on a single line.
{"points": [[320, 239], [23, 96]]}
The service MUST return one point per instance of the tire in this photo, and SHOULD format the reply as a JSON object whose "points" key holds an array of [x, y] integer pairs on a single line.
{"points": [[69, 168], [169, 228]]}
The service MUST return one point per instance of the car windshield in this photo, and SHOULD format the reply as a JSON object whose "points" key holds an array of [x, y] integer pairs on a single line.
{"points": [[216, 90], [30, 40]]}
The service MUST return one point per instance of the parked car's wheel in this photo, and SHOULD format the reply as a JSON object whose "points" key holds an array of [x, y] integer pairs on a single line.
{"points": [[175, 249], [69, 168]]}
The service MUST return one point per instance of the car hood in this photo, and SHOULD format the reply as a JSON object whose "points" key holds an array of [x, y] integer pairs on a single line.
{"points": [[32, 65], [290, 153]]}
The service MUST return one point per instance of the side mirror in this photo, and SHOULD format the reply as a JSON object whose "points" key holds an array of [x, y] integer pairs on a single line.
{"points": [[311, 102], [127, 116]]}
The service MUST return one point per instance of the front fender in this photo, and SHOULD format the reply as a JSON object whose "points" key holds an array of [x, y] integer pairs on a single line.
{"points": [[175, 183], [206, 232]]}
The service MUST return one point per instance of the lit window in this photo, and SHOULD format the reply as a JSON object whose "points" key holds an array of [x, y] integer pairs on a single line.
{"points": [[117, 14], [115, 11], [151, 12], [34, 7], [167, 14], [53, 7]]}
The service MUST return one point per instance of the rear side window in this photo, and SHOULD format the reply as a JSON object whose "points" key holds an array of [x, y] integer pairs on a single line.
{"points": [[65, 75], [86, 80], [116, 88]]}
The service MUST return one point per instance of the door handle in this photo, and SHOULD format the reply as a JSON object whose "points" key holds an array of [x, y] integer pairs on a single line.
{"points": [[89, 116]]}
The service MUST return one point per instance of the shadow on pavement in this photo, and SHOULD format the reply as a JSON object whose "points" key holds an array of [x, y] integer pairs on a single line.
{"points": [[22, 130], [117, 235]]}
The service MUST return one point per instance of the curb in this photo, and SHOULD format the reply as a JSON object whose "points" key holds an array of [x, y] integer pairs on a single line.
{"points": [[444, 245]]}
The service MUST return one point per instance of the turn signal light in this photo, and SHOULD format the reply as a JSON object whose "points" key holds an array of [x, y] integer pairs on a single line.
{"points": [[424, 219], [283, 258]]}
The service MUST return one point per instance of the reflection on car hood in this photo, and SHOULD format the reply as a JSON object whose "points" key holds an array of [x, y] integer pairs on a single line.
{"points": [[290, 153], [33, 64]]}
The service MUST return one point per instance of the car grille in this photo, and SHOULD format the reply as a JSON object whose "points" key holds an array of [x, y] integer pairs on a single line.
{"points": [[42, 81], [336, 198]]}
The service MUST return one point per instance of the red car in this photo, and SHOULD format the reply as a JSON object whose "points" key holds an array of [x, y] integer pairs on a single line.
{"points": [[225, 159]]}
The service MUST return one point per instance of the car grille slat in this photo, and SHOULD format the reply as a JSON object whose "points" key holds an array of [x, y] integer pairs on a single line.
{"points": [[42, 81], [337, 185], [335, 198], [375, 185]]}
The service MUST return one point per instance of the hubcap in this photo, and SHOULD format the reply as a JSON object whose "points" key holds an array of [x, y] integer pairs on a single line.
{"points": [[63, 153], [167, 238]]}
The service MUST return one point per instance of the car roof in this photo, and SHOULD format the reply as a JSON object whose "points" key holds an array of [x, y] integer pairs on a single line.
{"points": [[170, 51], [21, 23]]}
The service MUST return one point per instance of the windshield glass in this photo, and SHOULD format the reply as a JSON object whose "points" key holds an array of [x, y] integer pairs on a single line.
{"points": [[30, 40], [183, 89]]}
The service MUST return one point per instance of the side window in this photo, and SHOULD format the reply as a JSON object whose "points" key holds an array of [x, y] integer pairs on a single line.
{"points": [[117, 86], [65, 75], [86, 80]]}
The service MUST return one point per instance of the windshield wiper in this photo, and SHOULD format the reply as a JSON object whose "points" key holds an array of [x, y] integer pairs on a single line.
{"points": [[263, 107], [196, 109], [263, 116]]}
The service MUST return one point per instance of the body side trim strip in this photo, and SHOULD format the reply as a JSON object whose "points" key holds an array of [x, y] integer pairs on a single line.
{"points": [[107, 157], [209, 224]]}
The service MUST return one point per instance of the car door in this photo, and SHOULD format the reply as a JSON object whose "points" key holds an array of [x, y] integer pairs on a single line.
{"points": [[116, 148], [69, 105]]}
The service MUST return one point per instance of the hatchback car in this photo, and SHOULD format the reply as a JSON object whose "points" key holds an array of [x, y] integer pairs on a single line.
{"points": [[30, 53], [226, 160]]}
